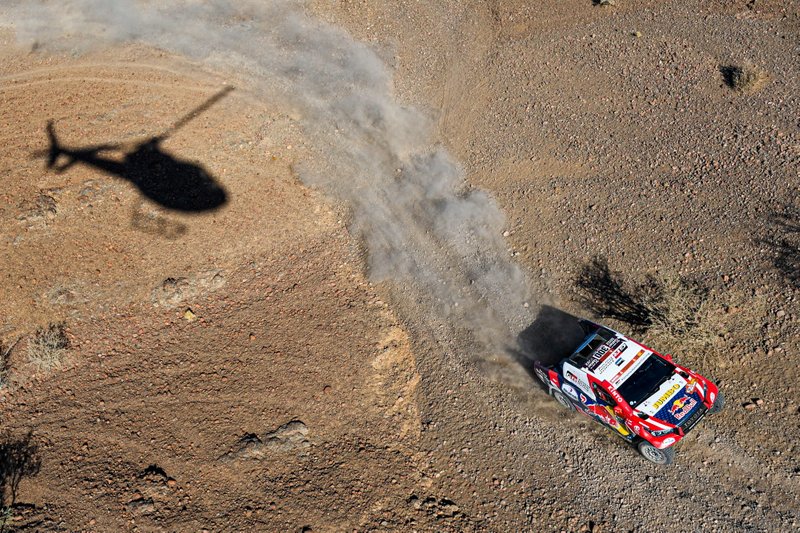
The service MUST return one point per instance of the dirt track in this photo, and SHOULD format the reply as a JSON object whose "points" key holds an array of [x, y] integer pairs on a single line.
{"points": [[300, 395]]}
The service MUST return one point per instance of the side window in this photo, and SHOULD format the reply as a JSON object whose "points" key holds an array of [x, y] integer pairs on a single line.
{"points": [[604, 396]]}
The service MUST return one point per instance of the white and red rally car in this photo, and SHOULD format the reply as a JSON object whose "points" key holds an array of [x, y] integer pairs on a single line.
{"points": [[640, 394]]}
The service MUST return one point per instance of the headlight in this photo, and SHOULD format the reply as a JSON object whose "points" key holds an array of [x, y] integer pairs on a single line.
{"points": [[661, 432], [712, 397]]}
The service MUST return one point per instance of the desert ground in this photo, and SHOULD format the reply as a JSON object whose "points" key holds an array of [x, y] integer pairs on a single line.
{"points": [[221, 310]]}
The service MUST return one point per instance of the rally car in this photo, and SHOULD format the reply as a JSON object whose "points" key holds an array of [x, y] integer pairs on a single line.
{"points": [[643, 396]]}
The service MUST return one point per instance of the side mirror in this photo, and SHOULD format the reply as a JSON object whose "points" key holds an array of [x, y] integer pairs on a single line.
{"points": [[668, 357]]}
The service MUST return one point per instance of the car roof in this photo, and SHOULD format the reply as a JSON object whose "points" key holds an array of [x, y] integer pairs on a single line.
{"points": [[609, 356]]}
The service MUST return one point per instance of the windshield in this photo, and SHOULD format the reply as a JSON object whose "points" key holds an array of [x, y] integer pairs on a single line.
{"points": [[653, 372]]}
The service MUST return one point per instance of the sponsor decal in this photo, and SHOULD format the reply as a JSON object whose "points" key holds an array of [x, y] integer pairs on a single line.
{"points": [[682, 407], [610, 358], [541, 374], [690, 385], [611, 419], [572, 377], [570, 391], [618, 351], [598, 357], [584, 399], [658, 404], [619, 361], [626, 367], [614, 394]]}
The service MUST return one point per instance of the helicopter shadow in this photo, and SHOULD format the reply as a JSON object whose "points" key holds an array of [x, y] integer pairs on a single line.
{"points": [[167, 180]]}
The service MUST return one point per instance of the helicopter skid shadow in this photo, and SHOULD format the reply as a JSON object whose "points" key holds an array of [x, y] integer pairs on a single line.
{"points": [[154, 223]]}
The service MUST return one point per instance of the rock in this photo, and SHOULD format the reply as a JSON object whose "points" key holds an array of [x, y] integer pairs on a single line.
{"points": [[759, 402], [248, 447], [189, 315], [749, 406], [141, 505], [288, 437], [44, 206], [61, 295], [173, 291]]}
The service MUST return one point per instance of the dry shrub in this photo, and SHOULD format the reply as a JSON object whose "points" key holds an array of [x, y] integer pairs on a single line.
{"points": [[669, 311], [679, 315], [5, 363], [744, 78], [48, 346]]}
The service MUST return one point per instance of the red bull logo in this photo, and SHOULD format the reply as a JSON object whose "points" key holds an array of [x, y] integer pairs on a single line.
{"points": [[678, 404], [682, 406]]}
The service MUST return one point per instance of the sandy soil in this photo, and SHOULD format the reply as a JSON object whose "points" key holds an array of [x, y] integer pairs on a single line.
{"points": [[298, 396]]}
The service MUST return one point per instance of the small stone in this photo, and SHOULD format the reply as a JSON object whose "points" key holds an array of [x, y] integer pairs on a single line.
{"points": [[506, 233], [189, 315], [637, 34], [781, 313], [759, 402], [749, 406]]}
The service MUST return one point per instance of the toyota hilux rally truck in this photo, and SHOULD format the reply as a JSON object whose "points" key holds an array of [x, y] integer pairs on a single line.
{"points": [[640, 394]]}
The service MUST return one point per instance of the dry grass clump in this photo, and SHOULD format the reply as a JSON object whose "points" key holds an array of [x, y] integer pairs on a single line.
{"points": [[48, 346], [5, 362], [744, 78], [679, 313], [668, 310]]}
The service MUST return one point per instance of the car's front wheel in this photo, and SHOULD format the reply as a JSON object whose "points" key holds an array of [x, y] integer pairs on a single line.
{"points": [[653, 454], [563, 400], [719, 403]]}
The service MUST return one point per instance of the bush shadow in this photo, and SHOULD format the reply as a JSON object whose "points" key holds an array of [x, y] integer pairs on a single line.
{"points": [[606, 294], [19, 458], [784, 242]]}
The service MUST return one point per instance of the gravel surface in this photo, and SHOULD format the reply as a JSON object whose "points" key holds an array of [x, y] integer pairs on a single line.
{"points": [[237, 369]]}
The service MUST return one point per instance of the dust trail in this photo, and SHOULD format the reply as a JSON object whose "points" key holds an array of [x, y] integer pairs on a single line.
{"points": [[424, 230]]}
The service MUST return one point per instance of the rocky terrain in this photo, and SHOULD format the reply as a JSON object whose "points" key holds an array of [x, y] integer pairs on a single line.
{"points": [[223, 310]]}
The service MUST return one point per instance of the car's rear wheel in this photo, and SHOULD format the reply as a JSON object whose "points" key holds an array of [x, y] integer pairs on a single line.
{"points": [[563, 400], [653, 454], [719, 403]]}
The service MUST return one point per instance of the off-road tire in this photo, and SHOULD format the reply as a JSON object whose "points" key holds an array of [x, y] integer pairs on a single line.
{"points": [[719, 404], [654, 455], [563, 400]]}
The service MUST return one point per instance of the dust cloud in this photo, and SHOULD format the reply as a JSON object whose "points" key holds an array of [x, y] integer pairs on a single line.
{"points": [[424, 230]]}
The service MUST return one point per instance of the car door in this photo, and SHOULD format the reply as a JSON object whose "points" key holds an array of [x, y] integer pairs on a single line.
{"points": [[604, 411]]}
